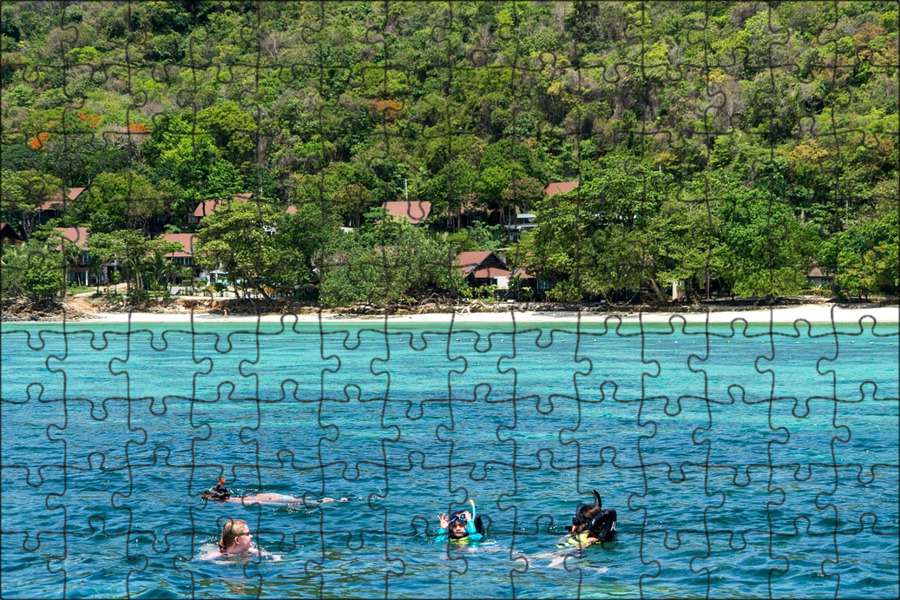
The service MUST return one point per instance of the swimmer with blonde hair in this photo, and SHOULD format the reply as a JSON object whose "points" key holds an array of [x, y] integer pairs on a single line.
{"points": [[236, 538]]}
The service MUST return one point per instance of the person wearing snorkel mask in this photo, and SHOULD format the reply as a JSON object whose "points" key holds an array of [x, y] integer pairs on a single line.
{"points": [[222, 494], [461, 526], [591, 524]]}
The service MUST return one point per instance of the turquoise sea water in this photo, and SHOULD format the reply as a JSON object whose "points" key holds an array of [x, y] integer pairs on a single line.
{"points": [[742, 461]]}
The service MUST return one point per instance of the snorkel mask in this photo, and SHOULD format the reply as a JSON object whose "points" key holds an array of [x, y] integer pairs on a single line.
{"points": [[603, 526], [456, 534], [220, 492]]}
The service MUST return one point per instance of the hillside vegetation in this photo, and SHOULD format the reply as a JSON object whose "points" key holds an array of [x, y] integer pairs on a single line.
{"points": [[730, 146]]}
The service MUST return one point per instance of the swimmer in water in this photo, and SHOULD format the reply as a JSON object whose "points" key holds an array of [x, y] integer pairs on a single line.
{"points": [[460, 526], [223, 494], [236, 538], [591, 524]]}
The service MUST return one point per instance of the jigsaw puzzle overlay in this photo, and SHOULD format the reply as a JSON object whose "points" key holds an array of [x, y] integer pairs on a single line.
{"points": [[317, 159]]}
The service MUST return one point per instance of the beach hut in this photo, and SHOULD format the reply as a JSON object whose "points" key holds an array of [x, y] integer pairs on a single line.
{"points": [[483, 268], [79, 271], [8, 235]]}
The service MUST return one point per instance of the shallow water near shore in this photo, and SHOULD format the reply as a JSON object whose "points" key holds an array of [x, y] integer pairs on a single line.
{"points": [[741, 460]]}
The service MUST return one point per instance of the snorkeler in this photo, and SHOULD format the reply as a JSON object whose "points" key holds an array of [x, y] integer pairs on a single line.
{"points": [[223, 494], [461, 526], [591, 524]]}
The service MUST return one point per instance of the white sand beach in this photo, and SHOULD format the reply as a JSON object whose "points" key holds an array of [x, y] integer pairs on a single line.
{"points": [[812, 313]]}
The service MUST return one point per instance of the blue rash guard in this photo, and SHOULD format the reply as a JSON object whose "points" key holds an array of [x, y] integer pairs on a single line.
{"points": [[472, 533]]}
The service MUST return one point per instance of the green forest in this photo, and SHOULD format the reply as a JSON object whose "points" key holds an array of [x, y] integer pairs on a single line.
{"points": [[732, 147]]}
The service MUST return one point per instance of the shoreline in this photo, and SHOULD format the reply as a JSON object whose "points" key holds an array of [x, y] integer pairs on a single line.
{"points": [[812, 313]]}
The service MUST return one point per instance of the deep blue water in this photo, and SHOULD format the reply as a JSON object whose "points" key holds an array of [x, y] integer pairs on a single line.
{"points": [[741, 461]]}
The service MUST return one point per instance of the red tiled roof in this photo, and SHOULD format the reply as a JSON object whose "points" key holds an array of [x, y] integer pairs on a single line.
{"points": [[469, 206], [522, 273], [76, 235], [49, 205], [560, 187], [416, 211], [292, 209], [471, 262], [490, 273], [57, 202], [207, 207], [185, 239], [468, 261]]}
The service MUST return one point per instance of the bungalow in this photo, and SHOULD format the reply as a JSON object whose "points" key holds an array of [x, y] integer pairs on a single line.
{"points": [[524, 222], [483, 268], [80, 271], [561, 187], [818, 279], [527, 279], [8, 235], [415, 212], [50, 209], [185, 256], [526, 275]]}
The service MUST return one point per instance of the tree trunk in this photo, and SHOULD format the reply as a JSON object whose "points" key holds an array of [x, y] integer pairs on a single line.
{"points": [[657, 291], [262, 291]]}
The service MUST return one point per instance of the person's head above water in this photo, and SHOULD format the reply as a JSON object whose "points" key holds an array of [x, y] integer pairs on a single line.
{"points": [[600, 524], [585, 514], [461, 524], [236, 537], [220, 492], [457, 527]]}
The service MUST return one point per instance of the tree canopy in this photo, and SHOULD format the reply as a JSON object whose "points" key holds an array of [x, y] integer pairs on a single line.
{"points": [[731, 146]]}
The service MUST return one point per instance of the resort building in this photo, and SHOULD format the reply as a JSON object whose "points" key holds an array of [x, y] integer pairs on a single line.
{"points": [[8, 235], [818, 279], [185, 256], [80, 271], [524, 222], [52, 209], [483, 268]]}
